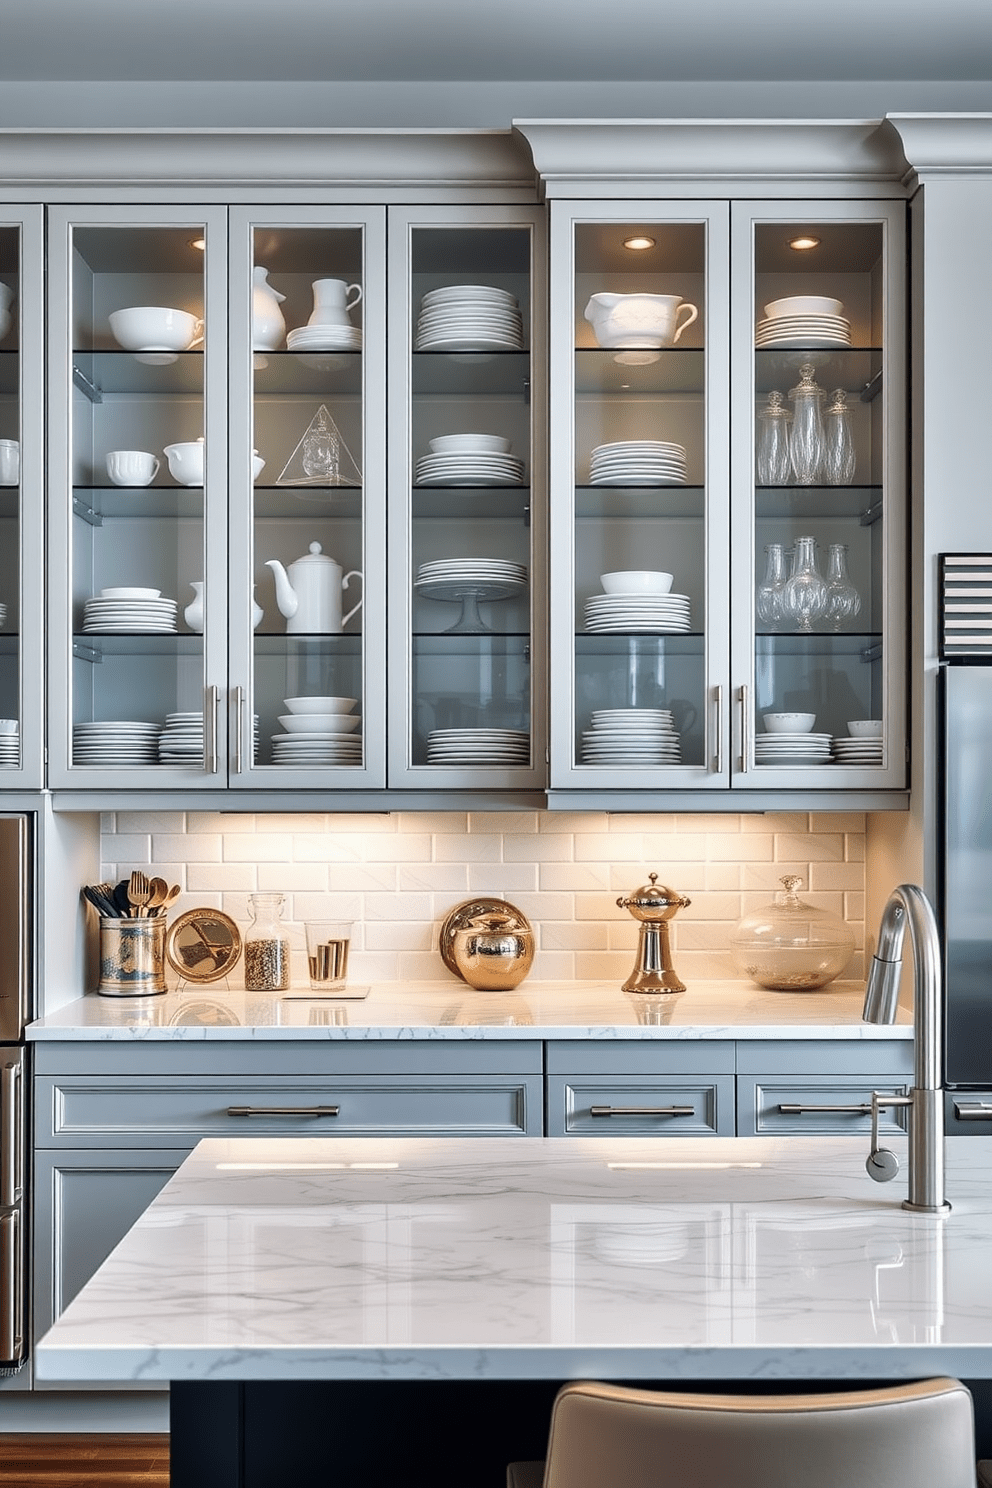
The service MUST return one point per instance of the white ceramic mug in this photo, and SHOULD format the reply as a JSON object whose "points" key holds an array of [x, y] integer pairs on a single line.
{"points": [[186, 461], [132, 467], [10, 462], [332, 299]]}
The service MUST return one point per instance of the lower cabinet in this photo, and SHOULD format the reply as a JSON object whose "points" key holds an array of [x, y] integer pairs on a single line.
{"points": [[794, 1088], [641, 1089]]}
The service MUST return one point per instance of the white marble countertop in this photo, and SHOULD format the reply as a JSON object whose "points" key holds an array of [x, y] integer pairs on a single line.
{"points": [[451, 1010], [545, 1258]]}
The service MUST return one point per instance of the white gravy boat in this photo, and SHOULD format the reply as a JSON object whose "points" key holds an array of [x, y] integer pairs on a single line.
{"points": [[638, 320]]}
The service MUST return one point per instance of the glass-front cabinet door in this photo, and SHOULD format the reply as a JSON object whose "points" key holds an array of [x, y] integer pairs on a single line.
{"points": [[639, 456], [137, 474], [467, 528], [307, 484], [819, 482], [21, 463]]}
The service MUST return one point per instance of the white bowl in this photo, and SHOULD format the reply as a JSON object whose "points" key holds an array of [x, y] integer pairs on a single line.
{"points": [[130, 593], [186, 461], [257, 466], [320, 723], [636, 581], [462, 444], [154, 328], [804, 305], [865, 728], [788, 723], [311, 705]]}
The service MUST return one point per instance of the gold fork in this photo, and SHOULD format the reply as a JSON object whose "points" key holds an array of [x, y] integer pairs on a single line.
{"points": [[138, 892]]}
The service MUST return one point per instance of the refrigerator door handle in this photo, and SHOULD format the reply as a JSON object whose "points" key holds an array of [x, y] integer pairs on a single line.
{"points": [[11, 1289], [11, 1177]]}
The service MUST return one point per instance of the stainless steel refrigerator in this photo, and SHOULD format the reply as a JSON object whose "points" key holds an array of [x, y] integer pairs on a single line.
{"points": [[17, 898]]}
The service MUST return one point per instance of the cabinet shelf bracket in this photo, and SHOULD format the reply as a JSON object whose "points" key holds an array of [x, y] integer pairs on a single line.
{"points": [[871, 514], [871, 653], [872, 388], [86, 653], [87, 388], [87, 512]]}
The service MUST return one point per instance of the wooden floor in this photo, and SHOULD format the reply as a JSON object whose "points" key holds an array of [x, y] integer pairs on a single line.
{"points": [[94, 1460]]}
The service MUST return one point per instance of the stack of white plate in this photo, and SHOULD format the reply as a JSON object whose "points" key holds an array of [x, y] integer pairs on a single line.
{"points": [[3, 615], [116, 611], [115, 742], [330, 738], [788, 749], [631, 736], [858, 751], [478, 746], [466, 468], [181, 741], [803, 331], [469, 317], [445, 577], [325, 338], [651, 613], [10, 750], [638, 462]]}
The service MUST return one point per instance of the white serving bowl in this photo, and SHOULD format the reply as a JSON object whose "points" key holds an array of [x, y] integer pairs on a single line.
{"points": [[804, 305], [320, 723], [130, 593], [186, 461], [311, 705], [865, 728], [461, 444], [636, 581], [154, 328], [788, 723]]}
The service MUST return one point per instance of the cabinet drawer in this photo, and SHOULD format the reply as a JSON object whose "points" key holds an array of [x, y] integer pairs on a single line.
{"points": [[766, 1105], [86, 1111], [612, 1106]]}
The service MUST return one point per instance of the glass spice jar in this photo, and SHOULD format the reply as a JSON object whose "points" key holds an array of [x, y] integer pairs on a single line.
{"points": [[266, 945]]}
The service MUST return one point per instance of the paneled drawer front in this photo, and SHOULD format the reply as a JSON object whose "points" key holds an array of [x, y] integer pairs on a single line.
{"points": [[85, 1111], [612, 1106], [775, 1106]]}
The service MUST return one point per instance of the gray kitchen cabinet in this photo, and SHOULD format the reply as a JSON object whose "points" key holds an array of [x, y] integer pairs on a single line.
{"points": [[792, 1088], [678, 1089]]}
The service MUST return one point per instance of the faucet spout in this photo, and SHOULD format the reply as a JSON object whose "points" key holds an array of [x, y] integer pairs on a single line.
{"points": [[908, 905]]}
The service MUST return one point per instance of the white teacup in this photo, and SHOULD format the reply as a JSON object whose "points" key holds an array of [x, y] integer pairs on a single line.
{"points": [[638, 320], [10, 462], [155, 328], [132, 467], [332, 299], [186, 461]]}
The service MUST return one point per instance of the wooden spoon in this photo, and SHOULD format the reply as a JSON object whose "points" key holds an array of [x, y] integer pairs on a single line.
{"points": [[158, 889]]}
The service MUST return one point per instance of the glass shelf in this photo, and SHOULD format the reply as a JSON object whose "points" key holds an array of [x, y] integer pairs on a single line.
{"points": [[471, 373], [102, 373], [674, 371], [855, 369], [336, 373]]}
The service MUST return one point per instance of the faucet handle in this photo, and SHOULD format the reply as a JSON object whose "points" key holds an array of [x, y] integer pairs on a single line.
{"points": [[883, 1165]]}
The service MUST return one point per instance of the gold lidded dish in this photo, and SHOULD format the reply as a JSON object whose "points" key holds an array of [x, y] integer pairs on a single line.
{"points": [[488, 943], [789, 945]]}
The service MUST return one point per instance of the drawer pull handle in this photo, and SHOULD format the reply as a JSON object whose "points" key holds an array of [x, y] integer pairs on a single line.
{"points": [[642, 1110], [973, 1110], [862, 1109], [283, 1110]]}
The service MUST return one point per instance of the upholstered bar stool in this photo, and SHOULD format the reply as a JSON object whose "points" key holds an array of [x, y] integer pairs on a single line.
{"points": [[907, 1436]]}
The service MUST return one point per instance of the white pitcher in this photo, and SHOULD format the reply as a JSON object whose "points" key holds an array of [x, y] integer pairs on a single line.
{"points": [[267, 323], [309, 593], [332, 299], [639, 320]]}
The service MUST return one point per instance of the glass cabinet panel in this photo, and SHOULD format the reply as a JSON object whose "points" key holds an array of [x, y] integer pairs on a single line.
{"points": [[823, 698], [307, 636], [639, 323], [467, 462], [132, 339]]}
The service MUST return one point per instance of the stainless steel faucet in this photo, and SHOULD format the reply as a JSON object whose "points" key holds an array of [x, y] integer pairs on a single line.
{"points": [[909, 904]]}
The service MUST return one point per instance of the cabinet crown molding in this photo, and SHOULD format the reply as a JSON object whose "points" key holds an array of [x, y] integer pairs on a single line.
{"points": [[640, 157], [945, 144]]}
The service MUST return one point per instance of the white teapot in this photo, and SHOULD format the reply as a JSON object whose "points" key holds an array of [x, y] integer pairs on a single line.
{"points": [[638, 320], [309, 593]]}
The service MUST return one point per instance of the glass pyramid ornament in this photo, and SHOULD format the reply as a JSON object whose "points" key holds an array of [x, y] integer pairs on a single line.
{"points": [[321, 458]]}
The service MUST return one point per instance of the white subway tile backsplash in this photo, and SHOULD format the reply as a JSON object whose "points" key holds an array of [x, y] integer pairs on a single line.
{"points": [[398, 875]]}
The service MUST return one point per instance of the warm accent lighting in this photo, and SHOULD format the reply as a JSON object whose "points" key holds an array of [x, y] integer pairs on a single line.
{"points": [[803, 244], [624, 1167], [199, 244], [638, 244], [303, 1167]]}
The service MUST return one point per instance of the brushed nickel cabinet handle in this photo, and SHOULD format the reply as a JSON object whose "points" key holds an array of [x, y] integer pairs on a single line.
{"points": [[973, 1110], [283, 1110], [744, 695], [11, 1186], [239, 750], [642, 1110], [718, 725], [212, 705], [12, 1296], [861, 1109]]}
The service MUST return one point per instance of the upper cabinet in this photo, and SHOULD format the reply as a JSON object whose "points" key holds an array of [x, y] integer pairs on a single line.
{"points": [[728, 496], [22, 401]]}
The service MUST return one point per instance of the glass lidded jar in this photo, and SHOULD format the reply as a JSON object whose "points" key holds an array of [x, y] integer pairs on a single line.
{"points": [[789, 945], [838, 442], [806, 439], [772, 451], [266, 945]]}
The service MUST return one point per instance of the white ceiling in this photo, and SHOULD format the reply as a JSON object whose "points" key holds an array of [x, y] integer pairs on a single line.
{"points": [[512, 40]]}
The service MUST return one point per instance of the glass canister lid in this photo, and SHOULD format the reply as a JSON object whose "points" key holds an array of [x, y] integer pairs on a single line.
{"points": [[652, 901], [790, 945]]}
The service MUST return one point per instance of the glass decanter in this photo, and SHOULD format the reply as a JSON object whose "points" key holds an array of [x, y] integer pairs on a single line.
{"points": [[838, 442], [768, 595], [804, 596], [266, 945], [772, 452], [806, 439], [843, 599]]}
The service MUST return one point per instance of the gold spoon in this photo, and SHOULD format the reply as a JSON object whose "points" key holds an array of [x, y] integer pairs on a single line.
{"points": [[158, 889]]}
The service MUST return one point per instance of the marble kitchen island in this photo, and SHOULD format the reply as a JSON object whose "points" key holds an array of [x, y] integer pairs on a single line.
{"points": [[315, 1295]]}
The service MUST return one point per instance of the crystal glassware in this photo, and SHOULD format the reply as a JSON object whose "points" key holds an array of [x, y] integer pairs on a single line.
{"points": [[838, 442], [804, 596], [790, 945], [772, 453], [768, 596], [806, 439], [843, 599]]}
